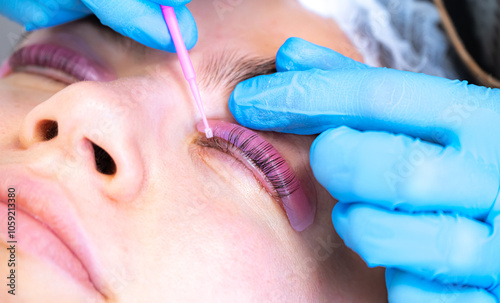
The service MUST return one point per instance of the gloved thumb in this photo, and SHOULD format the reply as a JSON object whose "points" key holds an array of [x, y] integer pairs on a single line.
{"points": [[300, 55], [37, 14], [408, 288], [142, 20], [172, 2]]}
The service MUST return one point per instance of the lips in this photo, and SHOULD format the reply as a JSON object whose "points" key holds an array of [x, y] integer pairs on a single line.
{"points": [[47, 227]]}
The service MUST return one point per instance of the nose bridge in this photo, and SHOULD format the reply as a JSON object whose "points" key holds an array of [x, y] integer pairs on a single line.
{"points": [[91, 118], [97, 109]]}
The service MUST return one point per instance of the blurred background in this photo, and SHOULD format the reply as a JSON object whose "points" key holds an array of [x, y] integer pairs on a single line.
{"points": [[10, 33]]}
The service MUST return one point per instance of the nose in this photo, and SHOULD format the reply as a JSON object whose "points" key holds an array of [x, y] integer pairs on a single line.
{"points": [[95, 125]]}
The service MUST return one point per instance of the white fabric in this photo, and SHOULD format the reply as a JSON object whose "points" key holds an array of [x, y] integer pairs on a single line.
{"points": [[401, 34]]}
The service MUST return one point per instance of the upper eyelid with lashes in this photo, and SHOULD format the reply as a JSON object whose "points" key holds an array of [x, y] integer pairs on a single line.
{"points": [[284, 184]]}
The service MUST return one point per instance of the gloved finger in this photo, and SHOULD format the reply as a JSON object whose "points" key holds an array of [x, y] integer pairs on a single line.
{"points": [[76, 6], [448, 248], [403, 287], [59, 17], [172, 2], [495, 291], [25, 11], [298, 55], [35, 14], [397, 171], [310, 102], [143, 21]]}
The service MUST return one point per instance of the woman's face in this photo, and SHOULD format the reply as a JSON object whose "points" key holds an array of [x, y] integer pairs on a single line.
{"points": [[120, 199]]}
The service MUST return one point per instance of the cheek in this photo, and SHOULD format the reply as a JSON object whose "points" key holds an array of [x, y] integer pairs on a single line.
{"points": [[252, 257], [236, 257], [15, 104], [214, 248]]}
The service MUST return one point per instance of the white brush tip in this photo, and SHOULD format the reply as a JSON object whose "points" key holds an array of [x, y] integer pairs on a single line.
{"points": [[209, 133]]}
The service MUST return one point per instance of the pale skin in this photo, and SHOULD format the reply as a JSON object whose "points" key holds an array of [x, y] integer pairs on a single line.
{"points": [[175, 224]]}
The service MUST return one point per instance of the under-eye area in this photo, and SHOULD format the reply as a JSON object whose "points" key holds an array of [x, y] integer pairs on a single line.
{"points": [[256, 154]]}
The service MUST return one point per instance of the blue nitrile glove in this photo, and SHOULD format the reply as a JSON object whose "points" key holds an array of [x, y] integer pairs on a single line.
{"points": [[429, 212], [141, 20]]}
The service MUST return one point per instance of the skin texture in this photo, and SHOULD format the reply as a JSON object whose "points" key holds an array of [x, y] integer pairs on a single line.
{"points": [[178, 222]]}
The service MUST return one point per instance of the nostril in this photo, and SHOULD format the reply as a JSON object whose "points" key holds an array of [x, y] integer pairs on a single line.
{"points": [[47, 130], [103, 161]]}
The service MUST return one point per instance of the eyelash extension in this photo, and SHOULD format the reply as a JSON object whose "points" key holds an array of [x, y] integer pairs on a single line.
{"points": [[45, 56], [261, 156], [73, 65], [267, 165]]}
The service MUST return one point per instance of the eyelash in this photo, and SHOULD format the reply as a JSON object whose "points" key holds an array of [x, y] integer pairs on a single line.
{"points": [[284, 183], [53, 62]]}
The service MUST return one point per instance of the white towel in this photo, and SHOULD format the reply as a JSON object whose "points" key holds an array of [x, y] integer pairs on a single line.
{"points": [[401, 34]]}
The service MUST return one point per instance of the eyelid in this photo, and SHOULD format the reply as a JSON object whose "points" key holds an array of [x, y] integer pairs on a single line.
{"points": [[299, 209], [219, 145], [76, 66]]}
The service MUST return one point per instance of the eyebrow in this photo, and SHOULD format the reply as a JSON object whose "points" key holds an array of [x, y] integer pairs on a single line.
{"points": [[225, 69], [220, 70]]}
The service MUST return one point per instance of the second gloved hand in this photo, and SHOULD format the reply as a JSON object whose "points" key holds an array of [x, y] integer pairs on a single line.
{"points": [[141, 20], [414, 161]]}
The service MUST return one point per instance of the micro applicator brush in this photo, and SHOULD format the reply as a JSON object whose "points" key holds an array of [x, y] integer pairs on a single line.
{"points": [[185, 60]]}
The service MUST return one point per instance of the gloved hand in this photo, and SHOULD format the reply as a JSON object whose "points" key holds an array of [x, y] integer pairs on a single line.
{"points": [[141, 20], [414, 161]]}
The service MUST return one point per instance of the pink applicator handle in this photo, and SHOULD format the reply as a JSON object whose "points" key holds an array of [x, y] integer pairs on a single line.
{"points": [[185, 60]]}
